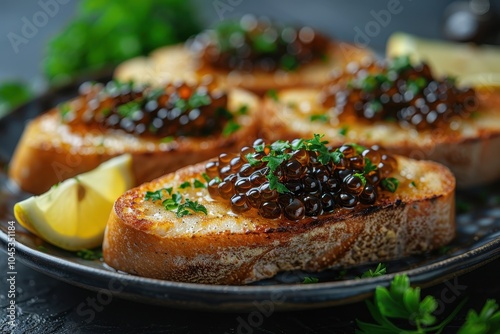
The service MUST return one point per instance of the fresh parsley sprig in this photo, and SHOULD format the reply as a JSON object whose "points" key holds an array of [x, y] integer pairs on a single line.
{"points": [[176, 201], [401, 301]]}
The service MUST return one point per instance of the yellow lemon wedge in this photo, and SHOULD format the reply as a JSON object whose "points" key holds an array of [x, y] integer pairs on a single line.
{"points": [[446, 58], [73, 214]]}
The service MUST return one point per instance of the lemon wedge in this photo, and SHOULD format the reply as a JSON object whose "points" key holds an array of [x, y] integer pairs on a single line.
{"points": [[446, 58], [73, 214]]}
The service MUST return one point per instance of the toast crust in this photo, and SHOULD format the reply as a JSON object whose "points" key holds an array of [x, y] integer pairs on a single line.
{"points": [[50, 152], [173, 62], [142, 238], [470, 152]]}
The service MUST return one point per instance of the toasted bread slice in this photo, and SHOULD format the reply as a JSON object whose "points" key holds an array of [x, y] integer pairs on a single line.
{"points": [[50, 152], [173, 62], [145, 239], [471, 152]]}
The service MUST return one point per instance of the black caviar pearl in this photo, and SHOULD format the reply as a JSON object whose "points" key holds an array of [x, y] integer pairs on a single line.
{"points": [[312, 206], [369, 195], [253, 197], [347, 200], [270, 210], [295, 210], [311, 185], [328, 202]]}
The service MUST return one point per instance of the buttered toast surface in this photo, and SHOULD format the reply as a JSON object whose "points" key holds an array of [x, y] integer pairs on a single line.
{"points": [[60, 144], [225, 246]]}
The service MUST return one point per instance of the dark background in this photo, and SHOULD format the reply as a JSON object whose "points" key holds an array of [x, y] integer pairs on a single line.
{"points": [[337, 18], [46, 305]]}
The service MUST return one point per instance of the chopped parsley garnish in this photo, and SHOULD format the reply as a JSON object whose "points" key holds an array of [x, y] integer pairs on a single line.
{"points": [[64, 110], [277, 156], [168, 139], [224, 113], [361, 177], [128, 109], [189, 207], [379, 271], [185, 184], [157, 195], [251, 160], [198, 184], [206, 177], [230, 128], [323, 118], [343, 130], [198, 100], [273, 94], [390, 184], [369, 166], [173, 202], [310, 280], [289, 62], [243, 110], [401, 301], [413, 184], [88, 254]]}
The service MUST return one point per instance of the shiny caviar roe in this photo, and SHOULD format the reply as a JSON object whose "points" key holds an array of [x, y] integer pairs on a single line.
{"points": [[172, 110], [399, 92], [302, 178], [253, 44]]}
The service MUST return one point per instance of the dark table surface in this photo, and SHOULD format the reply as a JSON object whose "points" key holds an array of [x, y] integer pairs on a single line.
{"points": [[47, 305]]}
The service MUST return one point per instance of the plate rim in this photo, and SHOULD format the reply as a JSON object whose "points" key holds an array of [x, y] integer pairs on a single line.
{"points": [[297, 295]]}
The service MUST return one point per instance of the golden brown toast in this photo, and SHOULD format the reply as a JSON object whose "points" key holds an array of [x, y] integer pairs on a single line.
{"points": [[51, 151], [222, 247], [471, 152], [174, 62]]}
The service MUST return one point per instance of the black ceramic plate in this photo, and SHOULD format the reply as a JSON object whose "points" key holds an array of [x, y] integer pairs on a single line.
{"points": [[477, 242]]}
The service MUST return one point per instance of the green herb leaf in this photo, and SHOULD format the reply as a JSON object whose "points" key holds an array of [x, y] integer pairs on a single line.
{"points": [[289, 62], [273, 94], [154, 23], [243, 110], [181, 104], [156, 195], [279, 146], [173, 202], [198, 184], [343, 130], [224, 113], [88, 254], [379, 271], [230, 128], [310, 280], [64, 110], [369, 166], [251, 160], [168, 139], [362, 178], [390, 184], [128, 109], [198, 100], [13, 94], [185, 184], [206, 177], [487, 321], [323, 118], [190, 207]]}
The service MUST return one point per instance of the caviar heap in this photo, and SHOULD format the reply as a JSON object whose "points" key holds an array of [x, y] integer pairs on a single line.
{"points": [[399, 92], [172, 110], [253, 44], [304, 178]]}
